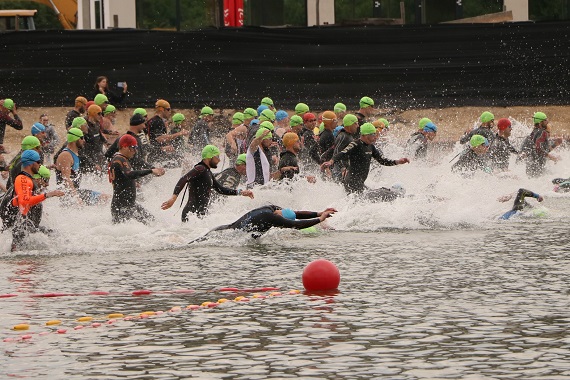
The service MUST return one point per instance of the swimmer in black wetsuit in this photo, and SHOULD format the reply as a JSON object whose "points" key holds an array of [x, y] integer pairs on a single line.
{"points": [[520, 202], [200, 182], [123, 205], [359, 153], [261, 219]]}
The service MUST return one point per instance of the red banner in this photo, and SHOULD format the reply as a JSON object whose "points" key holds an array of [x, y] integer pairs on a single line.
{"points": [[229, 13], [239, 13]]}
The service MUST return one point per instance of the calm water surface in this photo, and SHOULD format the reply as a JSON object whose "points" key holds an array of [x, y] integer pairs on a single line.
{"points": [[487, 303]]}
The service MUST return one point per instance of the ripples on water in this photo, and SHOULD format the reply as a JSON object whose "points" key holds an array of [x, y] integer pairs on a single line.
{"points": [[429, 289]]}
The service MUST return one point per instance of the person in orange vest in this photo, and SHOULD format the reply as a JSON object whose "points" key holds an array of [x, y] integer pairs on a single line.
{"points": [[26, 197]]}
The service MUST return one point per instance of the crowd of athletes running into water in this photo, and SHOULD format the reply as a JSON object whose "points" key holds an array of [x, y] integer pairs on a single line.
{"points": [[262, 143]]}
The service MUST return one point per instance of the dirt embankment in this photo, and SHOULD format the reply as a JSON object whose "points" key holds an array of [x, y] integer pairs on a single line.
{"points": [[451, 122]]}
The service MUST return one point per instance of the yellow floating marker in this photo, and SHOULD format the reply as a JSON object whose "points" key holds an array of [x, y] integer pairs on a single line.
{"points": [[115, 315], [53, 322], [294, 291], [222, 300], [275, 294], [84, 319], [258, 296], [148, 313], [206, 304], [239, 298], [21, 326], [192, 307]]}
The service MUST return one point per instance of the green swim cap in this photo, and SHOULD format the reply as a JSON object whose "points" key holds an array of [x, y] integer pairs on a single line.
{"points": [[241, 159], [487, 117], [267, 125], [250, 113], [109, 109], [9, 103], [367, 129], [385, 122], [301, 108], [206, 111], [366, 102], [349, 119], [477, 140], [238, 118], [43, 172], [295, 120], [178, 118], [100, 99], [260, 132], [74, 134], [78, 122], [267, 101], [30, 142], [423, 122], [210, 151], [140, 111], [267, 115], [538, 117], [339, 107]]}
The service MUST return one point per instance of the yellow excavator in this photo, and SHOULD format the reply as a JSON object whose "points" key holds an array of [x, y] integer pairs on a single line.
{"points": [[66, 11]]}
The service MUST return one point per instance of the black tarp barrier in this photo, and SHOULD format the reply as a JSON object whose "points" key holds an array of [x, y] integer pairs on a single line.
{"points": [[398, 66]]}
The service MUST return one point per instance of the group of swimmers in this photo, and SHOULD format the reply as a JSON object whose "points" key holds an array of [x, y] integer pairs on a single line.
{"points": [[263, 145]]}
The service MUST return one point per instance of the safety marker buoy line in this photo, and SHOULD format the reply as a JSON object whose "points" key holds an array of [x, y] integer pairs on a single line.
{"points": [[140, 292], [110, 319]]}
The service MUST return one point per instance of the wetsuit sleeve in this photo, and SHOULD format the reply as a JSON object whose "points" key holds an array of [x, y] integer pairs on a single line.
{"points": [[306, 214], [195, 172], [343, 153], [466, 137], [221, 189], [125, 168], [380, 158], [521, 195], [15, 123], [24, 189], [279, 221], [114, 148]]}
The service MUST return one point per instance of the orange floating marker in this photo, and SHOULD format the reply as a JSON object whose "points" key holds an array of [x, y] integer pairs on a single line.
{"points": [[259, 296], [294, 291], [61, 331], [28, 336], [321, 275], [95, 325], [142, 292], [241, 299], [275, 294], [53, 322], [222, 300], [78, 327], [192, 307], [21, 326], [147, 313], [85, 319]]}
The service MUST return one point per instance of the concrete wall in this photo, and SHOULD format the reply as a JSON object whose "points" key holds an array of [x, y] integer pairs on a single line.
{"points": [[325, 14], [519, 8], [120, 14]]}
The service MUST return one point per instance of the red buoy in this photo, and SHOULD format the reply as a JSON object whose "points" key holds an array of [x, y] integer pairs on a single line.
{"points": [[321, 275]]}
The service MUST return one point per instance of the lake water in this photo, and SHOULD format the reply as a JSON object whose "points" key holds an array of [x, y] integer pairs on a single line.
{"points": [[433, 286]]}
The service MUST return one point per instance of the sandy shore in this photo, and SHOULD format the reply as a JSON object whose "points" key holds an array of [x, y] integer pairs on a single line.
{"points": [[451, 122]]}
